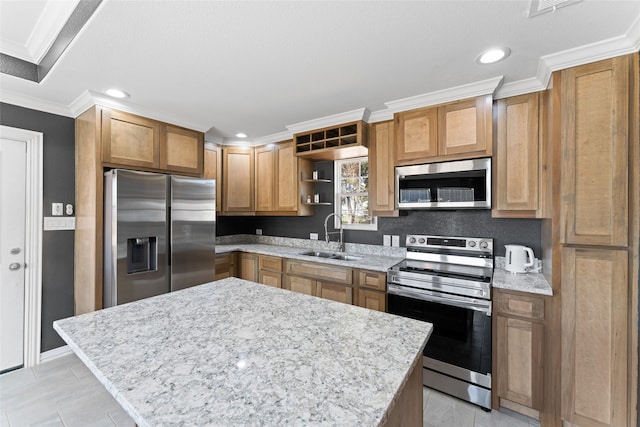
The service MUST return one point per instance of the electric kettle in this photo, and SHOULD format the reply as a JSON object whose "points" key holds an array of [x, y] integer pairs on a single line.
{"points": [[518, 258]]}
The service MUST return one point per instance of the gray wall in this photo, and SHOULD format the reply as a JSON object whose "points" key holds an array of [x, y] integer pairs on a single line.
{"points": [[467, 223], [59, 186]]}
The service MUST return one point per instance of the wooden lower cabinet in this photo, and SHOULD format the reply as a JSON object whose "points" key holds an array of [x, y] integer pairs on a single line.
{"points": [[335, 292], [248, 264], [595, 353], [301, 285], [225, 265], [372, 287], [270, 270], [519, 351]]}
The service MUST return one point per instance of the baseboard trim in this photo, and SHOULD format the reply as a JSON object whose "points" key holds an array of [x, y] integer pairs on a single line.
{"points": [[55, 353]]}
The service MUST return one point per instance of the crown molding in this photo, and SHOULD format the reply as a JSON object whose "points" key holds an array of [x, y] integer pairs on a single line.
{"points": [[51, 21], [276, 137], [15, 49], [470, 90], [380, 116], [333, 120], [519, 88], [34, 103]]}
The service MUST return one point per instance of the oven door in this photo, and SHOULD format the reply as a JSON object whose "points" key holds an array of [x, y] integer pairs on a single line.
{"points": [[457, 357]]}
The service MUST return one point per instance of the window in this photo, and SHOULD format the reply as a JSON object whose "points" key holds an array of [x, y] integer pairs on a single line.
{"points": [[352, 194]]}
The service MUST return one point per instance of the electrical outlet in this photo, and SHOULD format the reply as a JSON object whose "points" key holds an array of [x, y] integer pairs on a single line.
{"points": [[259, 231], [386, 240], [395, 241], [313, 236], [56, 209]]}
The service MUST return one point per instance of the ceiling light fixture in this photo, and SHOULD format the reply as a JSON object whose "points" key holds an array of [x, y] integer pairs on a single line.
{"points": [[117, 93], [241, 135], [493, 55]]}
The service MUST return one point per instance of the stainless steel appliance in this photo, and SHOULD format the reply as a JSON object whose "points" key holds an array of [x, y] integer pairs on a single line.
{"points": [[462, 184], [447, 281], [159, 234]]}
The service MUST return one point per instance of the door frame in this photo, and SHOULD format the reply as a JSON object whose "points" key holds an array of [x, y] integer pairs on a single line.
{"points": [[33, 240]]}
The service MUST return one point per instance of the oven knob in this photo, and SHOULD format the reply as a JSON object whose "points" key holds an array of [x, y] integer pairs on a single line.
{"points": [[421, 240], [483, 244], [472, 243], [412, 240]]}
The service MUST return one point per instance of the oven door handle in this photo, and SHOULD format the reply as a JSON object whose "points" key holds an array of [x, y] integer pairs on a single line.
{"points": [[473, 304]]}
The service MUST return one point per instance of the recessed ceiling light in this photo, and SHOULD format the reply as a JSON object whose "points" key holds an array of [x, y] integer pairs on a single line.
{"points": [[117, 93], [493, 55], [241, 135]]}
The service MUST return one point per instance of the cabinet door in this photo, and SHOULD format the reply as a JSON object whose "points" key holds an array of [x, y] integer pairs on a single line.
{"points": [[265, 178], [130, 140], [381, 170], [594, 336], [335, 292], [238, 179], [520, 350], [595, 170], [465, 127], [249, 267], [301, 285], [372, 299], [286, 197], [182, 150], [213, 170], [517, 157], [416, 134], [373, 280], [270, 278]]}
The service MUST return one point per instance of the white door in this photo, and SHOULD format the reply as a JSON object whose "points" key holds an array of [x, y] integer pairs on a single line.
{"points": [[13, 163]]}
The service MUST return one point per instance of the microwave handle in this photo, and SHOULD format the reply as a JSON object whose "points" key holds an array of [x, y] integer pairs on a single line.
{"points": [[483, 306]]}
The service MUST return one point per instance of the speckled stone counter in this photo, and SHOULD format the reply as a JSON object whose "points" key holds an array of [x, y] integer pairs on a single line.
{"points": [[368, 261], [234, 352], [533, 283]]}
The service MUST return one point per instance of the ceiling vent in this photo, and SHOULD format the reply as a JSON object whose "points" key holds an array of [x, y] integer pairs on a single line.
{"points": [[538, 7]]}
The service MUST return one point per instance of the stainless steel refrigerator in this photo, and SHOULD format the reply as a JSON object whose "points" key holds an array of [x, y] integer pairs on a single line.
{"points": [[159, 234]]}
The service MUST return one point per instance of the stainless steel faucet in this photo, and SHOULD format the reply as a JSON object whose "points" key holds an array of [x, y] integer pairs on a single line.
{"points": [[326, 232]]}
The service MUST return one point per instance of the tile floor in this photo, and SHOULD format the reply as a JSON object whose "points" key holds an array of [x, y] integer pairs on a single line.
{"points": [[63, 392]]}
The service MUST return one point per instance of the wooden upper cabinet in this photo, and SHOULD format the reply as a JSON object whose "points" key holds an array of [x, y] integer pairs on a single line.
{"points": [[286, 194], [465, 127], [130, 140], [457, 130], [213, 170], [265, 178], [381, 169], [417, 134], [595, 352], [238, 180], [595, 153], [181, 150], [516, 162], [136, 142]]}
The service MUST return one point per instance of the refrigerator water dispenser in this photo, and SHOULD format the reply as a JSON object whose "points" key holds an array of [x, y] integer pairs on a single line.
{"points": [[142, 254]]}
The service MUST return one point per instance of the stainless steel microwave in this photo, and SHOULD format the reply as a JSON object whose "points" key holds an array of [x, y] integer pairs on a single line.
{"points": [[462, 184]]}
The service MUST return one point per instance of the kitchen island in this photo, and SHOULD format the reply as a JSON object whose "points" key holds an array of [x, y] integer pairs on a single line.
{"points": [[235, 352]]}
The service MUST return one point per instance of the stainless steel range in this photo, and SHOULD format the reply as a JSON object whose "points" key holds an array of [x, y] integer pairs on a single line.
{"points": [[446, 281]]}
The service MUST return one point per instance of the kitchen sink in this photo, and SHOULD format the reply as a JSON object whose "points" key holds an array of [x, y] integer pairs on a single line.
{"points": [[330, 255]]}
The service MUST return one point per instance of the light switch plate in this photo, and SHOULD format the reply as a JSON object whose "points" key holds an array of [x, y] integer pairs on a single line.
{"points": [[313, 236], [386, 240], [395, 241], [54, 223], [56, 209]]}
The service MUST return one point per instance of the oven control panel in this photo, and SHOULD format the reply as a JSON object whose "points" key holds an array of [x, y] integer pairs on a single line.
{"points": [[474, 244]]}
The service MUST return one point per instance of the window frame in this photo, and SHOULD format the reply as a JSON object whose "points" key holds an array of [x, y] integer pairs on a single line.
{"points": [[373, 226]]}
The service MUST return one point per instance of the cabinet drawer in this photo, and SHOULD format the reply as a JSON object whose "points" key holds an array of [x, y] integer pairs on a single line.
{"points": [[224, 259], [519, 305], [271, 263], [372, 280], [320, 271]]}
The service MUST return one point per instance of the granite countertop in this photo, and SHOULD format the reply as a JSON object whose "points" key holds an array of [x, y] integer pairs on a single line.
{"points": [[534, 283], [368, 261], [234, 352]]}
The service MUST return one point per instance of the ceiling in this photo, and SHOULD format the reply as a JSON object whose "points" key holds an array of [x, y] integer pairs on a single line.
{"points": [[271, 68]]}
